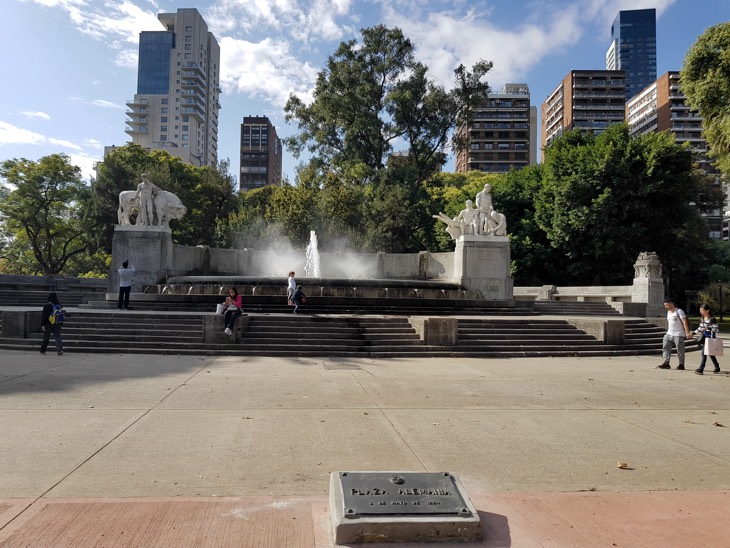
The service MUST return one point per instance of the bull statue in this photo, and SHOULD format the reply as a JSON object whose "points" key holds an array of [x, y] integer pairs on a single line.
{"points": [[166, 206]]}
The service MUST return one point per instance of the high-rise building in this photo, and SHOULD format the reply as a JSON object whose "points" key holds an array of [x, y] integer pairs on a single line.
{"points": [[261, 153], [661, 107], [588, 99], [502, 133], [177, 101], [633, 48]]}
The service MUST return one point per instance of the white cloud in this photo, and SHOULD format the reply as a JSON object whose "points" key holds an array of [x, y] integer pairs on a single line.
{"points": [[513, 51], [267, 69], [117, 24], [106, 104], [85, 163], [39, 114], [11, 135], [303, 20]]}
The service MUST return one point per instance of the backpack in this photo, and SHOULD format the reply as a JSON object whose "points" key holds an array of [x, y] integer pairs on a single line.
{"points": [[57, 315]]}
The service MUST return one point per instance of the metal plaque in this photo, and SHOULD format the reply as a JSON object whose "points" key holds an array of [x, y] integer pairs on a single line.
{"points": [[402, 494]]}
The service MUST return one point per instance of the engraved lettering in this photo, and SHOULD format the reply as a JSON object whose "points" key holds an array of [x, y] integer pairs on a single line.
{"points": [[416, 491], [369, 492]]}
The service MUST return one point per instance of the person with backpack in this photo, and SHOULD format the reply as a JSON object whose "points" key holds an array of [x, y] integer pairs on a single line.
{"points": [[52, 319]]}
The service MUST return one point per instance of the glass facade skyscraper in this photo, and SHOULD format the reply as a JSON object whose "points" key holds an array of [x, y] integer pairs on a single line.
{"points": [[177, 101], [633, 48]]}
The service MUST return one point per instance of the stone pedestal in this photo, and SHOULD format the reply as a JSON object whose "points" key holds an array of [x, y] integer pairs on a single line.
{"points": [[483, 264], [147, 248], [648, 286], [213, 326]]}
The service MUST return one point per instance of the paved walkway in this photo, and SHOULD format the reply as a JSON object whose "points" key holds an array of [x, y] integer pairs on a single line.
{"points": [[179, 451]]}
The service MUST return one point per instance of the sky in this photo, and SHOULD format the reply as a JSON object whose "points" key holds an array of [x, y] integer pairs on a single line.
{"points": [[71, 65]]}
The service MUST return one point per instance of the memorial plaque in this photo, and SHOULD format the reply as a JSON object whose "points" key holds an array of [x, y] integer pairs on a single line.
{"points": [[367, 494]]}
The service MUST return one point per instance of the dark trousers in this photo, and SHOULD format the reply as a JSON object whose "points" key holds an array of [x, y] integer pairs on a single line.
{"points": [[230, 317], [124, 296], [56, 330], [704, 356]]}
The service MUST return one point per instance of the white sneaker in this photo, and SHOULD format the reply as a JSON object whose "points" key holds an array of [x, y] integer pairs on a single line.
{"points": [[228, 331]]}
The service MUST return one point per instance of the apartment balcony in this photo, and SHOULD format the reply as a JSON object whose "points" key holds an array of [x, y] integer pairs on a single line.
{"points": [[137, 102], [192, 97], [193, 84], [141, 121], [135, 130], [195, 112]]}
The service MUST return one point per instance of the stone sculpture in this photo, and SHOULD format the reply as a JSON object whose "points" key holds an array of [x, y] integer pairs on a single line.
{"points": [[482, 221], [164, 206]]}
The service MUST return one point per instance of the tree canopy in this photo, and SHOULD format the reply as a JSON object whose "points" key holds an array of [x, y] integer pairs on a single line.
{"points": [[605, 198], [705, 80], [41, 212], [373, 97]]}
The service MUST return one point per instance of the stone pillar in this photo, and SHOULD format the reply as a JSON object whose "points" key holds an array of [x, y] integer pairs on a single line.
{"points": [[648, 284], [148, 248], [483, 264]]}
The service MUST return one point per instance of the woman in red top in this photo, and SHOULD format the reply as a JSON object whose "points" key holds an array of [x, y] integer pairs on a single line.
{"points": [[233, 309]]}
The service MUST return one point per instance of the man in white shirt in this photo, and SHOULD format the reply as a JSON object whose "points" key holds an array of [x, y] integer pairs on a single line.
{"points": [[125, 284], [677, 331]]}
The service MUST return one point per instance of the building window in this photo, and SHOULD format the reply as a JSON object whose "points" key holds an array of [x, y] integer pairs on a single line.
{"points": [[163, 119], [186, 128], [163, 128], [164, 110], [163, 137], [164, 101]]}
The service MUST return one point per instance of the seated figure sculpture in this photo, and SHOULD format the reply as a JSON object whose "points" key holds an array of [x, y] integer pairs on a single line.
{"points": [[483, 221]]}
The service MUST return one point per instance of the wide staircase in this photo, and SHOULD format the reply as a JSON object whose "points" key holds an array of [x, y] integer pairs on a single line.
{"points": [[37, 298], [301, 335]]}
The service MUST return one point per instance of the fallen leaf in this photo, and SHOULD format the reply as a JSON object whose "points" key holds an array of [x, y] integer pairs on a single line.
{"points": [[718, 424]]}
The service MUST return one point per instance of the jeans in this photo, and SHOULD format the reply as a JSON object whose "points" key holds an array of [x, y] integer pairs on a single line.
{"points": [[668, 341], [230, 317], [124, 296], [704, 357], [56, 330]]}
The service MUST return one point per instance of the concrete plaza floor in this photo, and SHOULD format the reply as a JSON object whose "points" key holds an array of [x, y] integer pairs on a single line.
{"points": [[177, 451]]}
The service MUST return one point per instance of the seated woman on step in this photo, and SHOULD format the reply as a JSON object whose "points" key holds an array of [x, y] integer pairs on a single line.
{"points": [[233, 308]]}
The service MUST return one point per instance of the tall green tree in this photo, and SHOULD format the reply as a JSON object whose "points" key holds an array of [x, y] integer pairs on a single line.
{"points": [[705, 79], [604, 199], [41, 209], [373, 94]]}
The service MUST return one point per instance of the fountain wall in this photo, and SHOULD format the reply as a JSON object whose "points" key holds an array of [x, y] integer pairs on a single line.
{"points": [[155, 263]]}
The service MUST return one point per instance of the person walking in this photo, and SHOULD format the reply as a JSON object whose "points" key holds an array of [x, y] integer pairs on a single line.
{"points": [[233, 308], [291, 287], [49, 327], [125, 284], [298, 298], [677, 332], [708, 328]]}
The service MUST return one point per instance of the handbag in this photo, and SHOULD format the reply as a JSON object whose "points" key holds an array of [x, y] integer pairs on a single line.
{"points": [[714, 347], [219, 308], [304, 299]]}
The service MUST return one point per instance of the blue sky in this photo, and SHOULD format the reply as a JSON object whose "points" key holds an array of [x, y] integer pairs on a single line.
{"points": [[70, 65]]}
